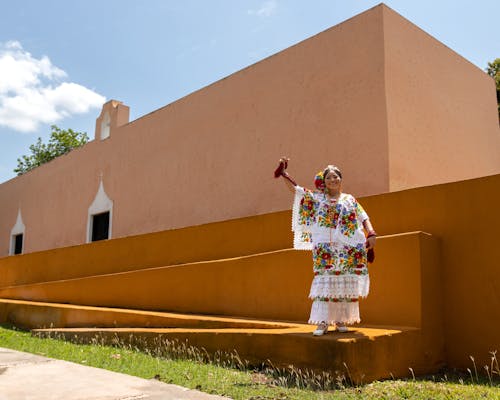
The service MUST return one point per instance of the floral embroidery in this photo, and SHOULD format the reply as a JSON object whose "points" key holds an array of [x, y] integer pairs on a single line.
{"points": [[306, 237], [328, 215], [360, 211], [328, 260], [337, 299], [349, 224], [353, 259], [315, 214], [307, 209], [322, 255]]}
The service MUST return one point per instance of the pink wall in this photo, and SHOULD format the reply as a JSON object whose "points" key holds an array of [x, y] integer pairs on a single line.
{"points": [[442, 110], [210, 155]]}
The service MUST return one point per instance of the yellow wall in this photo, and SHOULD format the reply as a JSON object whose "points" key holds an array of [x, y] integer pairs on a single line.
{"points": [[205, 242], [272, 285], [463, 216], [445, 279]]}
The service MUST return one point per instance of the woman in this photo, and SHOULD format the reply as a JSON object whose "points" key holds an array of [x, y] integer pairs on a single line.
{"points": [[332, 224]]}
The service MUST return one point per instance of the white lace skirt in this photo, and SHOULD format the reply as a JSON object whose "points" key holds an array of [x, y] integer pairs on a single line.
{"points": [[340, 279], [339, 287], [334, 313]]}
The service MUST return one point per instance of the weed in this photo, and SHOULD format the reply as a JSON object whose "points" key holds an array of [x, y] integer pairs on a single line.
{"points": [[226, 373]]}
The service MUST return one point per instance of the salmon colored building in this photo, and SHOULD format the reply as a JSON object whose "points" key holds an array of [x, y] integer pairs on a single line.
{"points": [[188, 197], [375, 95]]}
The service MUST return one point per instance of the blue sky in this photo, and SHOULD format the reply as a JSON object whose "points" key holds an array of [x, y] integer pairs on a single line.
{"points": [[60, 59]]}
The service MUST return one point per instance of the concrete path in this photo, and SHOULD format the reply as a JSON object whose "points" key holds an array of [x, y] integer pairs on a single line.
{"points": [[25, 376]]}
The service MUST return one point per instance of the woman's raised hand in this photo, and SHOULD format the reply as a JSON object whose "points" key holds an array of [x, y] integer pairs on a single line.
{"points": [[283, 164], [281, 171]]}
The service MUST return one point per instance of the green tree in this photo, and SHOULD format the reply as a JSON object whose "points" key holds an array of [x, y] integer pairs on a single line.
{"points": [[493, 70], [61, 141]]}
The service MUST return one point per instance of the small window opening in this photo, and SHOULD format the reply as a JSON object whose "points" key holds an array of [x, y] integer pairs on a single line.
{"points": [[18, 243], [100, 226]]}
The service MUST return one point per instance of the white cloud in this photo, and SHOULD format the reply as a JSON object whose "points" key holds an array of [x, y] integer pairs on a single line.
{"points": [[32, 91], [73, 98], [267, 9]]}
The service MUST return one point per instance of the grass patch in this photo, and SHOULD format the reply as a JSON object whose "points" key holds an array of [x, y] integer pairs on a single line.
{"points": [[227, 375]]}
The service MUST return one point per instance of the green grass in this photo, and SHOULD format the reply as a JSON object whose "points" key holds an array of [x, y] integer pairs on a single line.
{"points": [[184, 366]]}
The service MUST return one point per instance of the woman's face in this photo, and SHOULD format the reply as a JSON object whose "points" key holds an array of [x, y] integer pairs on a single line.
{"points": [[332, 181]]}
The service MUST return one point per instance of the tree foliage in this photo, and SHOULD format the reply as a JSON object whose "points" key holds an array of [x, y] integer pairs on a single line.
{"points": [[493, 70], [61, 142]]}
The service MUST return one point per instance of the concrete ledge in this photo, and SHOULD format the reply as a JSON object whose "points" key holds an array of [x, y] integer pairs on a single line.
{"points": [[214, 241], [30, 314], [259, 288], [368, 353], [266, 286]]}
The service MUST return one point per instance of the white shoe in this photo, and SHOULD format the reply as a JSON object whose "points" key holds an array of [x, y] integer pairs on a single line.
{"points": [[342, 329], [321, 329]]}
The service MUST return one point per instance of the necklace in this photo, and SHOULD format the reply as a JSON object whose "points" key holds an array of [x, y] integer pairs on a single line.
{"points": [[332, 198]]}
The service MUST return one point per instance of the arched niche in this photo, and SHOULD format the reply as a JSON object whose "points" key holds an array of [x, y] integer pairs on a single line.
{"points": [[100, 216], [17, 236]]}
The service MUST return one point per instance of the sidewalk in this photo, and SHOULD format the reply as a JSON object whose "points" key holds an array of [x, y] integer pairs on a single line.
{"points": [[25, 376]]}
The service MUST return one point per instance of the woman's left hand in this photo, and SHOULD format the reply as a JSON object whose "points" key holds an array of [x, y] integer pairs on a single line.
{"points": [[370, 242]]}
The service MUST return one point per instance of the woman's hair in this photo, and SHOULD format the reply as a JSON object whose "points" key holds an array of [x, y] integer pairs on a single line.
{"points": [[332, 168]]}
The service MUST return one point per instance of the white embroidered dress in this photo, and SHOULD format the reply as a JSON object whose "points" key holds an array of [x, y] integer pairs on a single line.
{"points": [[333, 230]]}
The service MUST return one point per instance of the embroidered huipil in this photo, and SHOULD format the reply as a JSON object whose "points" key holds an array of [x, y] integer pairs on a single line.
{"points": [[333, 230]]}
